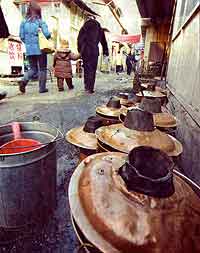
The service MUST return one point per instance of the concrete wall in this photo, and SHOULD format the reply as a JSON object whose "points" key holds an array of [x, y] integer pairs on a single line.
{"points": [[184, 82]]}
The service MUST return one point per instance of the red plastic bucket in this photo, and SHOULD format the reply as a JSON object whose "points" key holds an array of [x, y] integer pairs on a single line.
{"points": [[19, 146]]}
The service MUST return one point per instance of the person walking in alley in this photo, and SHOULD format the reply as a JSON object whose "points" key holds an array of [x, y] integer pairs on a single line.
{"points": [[130, 63], [29, 30], [119, 65], [89, 37], [62, 65]]}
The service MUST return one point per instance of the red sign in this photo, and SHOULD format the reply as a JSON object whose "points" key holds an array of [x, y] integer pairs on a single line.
{"points": [[15, 52], [133, 39]]}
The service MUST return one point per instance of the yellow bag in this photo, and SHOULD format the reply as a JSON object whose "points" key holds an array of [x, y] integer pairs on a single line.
{"points": [[46, 45]]}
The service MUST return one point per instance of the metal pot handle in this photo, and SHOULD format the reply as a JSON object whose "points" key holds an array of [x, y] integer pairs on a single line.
{"points": [[122, 117], [60, 136]]}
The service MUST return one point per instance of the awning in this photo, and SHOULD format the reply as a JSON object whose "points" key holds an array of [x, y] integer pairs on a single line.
{"points": [[127, 38]]}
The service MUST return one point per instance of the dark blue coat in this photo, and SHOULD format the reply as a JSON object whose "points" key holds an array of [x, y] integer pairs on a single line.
{"points": [[29, 35]]}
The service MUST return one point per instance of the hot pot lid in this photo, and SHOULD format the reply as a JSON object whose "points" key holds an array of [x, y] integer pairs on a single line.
{"points": [[116, 220], [152, 94], [78, 137], [104, 110], [163, 119], [120, 138]]}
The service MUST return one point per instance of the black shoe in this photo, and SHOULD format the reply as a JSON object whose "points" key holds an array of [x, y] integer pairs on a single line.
{"points": [[61, 89], [71, 87], [90, 91], [3, 95], [22, 86], [43, 91]]}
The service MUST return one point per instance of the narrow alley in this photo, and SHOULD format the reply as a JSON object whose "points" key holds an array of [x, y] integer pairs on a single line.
{"points": [[99, 126]]}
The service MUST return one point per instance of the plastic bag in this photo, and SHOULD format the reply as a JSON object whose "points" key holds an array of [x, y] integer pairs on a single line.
{"points": [[46, 45]]}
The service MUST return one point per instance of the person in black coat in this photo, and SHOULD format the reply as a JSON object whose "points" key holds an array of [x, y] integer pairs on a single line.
{"points": [[89, 37], [130, 63], [4, 33]]}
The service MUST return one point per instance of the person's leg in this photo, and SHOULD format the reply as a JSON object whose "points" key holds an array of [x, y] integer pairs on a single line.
{"points": [[90, 67], [129, 68], [92, 76], [69, 83], [36, 73], [86, 69], [43, 72], [60, 83], [117, 69], [33, 67]]}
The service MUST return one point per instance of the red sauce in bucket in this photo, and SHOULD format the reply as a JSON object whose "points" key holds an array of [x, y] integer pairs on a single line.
{"points": [[19, 145]]}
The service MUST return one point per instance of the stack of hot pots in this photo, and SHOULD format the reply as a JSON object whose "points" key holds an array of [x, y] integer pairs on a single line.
{"points": [[150, 90], [84, 137], [110, 112], [138, 129], [130, 197], [146, 123]]}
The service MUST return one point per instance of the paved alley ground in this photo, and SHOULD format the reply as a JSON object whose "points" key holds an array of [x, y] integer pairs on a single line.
{"points": [[65, 111]]}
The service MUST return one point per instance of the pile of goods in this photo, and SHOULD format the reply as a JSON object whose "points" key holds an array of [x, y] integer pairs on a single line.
{"points": [[128, 196]]}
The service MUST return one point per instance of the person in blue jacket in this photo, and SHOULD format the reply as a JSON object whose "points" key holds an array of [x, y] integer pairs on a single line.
{"points": [[29, 29]]}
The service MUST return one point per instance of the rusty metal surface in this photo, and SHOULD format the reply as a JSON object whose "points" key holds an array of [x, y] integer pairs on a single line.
{"points": [[95, 191]]}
